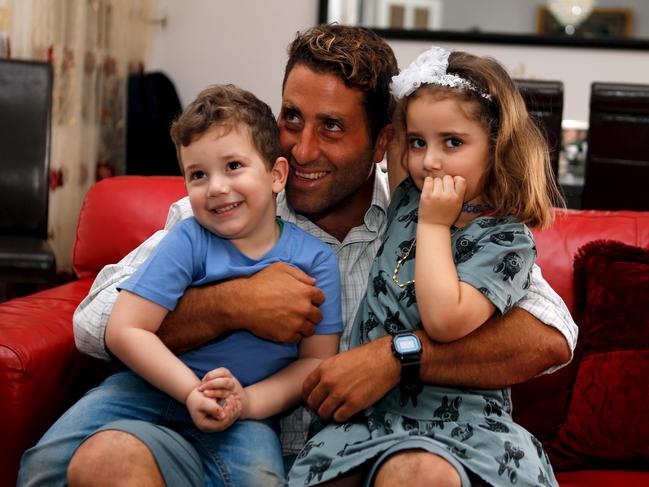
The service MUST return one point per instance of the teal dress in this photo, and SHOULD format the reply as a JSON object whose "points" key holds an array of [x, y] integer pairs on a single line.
{"points": [[495, 255]]}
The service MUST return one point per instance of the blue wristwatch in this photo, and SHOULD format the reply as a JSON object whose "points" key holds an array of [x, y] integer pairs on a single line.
{"points": [[407, 348]]}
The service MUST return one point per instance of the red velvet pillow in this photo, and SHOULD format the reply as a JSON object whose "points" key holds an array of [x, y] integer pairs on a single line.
{"points": [[607, 422]]}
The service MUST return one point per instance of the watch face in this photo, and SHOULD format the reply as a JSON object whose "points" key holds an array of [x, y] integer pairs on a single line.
{"points": [[406, 344]]}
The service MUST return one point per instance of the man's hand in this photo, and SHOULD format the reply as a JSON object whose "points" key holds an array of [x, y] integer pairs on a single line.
{"points": [[351, 381], [279, 303], [283, 303]]}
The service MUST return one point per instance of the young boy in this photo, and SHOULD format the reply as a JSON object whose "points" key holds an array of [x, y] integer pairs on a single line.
{"points": [[228, 148]]}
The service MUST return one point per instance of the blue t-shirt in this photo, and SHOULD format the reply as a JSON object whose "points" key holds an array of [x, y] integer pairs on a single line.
{"points": [[190, 255]]}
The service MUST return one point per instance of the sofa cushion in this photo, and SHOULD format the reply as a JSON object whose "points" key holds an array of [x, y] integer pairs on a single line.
{"points": [[117, 215], [607, 421]]}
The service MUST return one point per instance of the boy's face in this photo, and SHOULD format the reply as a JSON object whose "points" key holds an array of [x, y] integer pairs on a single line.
{"points": [[230, 187], [324, 134]]}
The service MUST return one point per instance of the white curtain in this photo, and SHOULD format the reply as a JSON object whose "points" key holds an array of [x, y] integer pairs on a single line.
{"points": [[93, 45]]}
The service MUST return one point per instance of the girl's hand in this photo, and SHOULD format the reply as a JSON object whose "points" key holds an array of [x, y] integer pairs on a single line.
{"points": [[220, 385], [441, 200]]}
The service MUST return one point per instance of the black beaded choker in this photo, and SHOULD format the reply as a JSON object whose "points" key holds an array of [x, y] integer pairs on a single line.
{"points": [[469, 208]]}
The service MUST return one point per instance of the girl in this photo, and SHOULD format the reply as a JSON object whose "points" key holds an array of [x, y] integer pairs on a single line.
{"points": [[478, 172]]}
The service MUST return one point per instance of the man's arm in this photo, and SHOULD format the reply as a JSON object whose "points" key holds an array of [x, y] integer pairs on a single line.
{"points": [[506, 350], [279, 303]]}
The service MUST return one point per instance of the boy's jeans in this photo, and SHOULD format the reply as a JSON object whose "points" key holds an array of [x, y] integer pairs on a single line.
{"points": [[247, 453]]}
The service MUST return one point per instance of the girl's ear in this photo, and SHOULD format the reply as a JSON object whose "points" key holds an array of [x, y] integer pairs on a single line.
{"points": [[280, 174]]}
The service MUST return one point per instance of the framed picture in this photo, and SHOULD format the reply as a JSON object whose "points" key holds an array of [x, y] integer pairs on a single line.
{"points": [[601, 23]]}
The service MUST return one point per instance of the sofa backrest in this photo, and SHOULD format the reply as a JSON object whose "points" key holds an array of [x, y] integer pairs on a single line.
{"points": [[117, 215]]}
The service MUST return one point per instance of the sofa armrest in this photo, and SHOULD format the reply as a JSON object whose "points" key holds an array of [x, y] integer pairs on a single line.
{"points": [[41, 371]]}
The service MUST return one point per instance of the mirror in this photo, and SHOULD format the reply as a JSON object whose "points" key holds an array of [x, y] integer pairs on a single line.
{"points": [[617, 24]]}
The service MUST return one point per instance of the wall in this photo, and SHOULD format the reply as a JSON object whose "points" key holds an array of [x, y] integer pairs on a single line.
{"points": [[223, 41], [244, 42]]}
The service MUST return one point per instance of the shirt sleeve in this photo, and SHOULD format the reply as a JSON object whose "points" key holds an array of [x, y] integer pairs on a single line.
{"points": [[91, 316], [498, 264], [327, 276], [542, 302], [171, 267]]}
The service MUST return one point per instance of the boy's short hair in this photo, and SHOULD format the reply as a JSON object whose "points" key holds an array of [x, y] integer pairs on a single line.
{"points": [[228, 106], [359, 57]]}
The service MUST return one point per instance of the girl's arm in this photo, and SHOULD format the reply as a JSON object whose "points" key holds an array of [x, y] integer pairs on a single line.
{"points": [[449, 309], [130, 335], [283, 390]]}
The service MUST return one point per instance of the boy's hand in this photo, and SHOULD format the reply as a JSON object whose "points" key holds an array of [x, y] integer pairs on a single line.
{"points": [[441, 200], [210, 415], [220, 385], [217, 402]]}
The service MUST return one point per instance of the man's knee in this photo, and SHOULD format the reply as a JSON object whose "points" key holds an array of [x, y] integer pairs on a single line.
{"points": [[113, 458], [417, 468]]}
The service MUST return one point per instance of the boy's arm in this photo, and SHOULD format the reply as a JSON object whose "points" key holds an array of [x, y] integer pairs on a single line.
{"points": [[283, 390], [130, 336], [449, 309]]}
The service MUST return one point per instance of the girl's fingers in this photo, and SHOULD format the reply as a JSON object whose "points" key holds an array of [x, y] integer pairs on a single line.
{"points": [[460, 186], [447, 184], [438, 186], [428, 185]]}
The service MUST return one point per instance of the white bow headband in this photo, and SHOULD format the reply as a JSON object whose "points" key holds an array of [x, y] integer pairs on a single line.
{"points": [[430, 68]]}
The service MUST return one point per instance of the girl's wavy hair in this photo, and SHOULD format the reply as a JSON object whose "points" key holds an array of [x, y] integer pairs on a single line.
{"points": [[228, 106], [518, 179], [356, 55]]}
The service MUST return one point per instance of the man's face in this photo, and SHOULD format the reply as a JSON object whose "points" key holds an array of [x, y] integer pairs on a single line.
{"points": [[324, 134]]}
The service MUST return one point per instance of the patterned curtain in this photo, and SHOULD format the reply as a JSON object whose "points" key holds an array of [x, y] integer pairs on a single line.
{"points": [[92, 45]]}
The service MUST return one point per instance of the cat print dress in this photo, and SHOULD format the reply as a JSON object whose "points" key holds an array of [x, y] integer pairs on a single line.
{"points": [[495, 255]]}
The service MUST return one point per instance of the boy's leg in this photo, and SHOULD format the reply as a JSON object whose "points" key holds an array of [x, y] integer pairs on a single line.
{"points": [[136, 453], [248, 453], [123, 395]]}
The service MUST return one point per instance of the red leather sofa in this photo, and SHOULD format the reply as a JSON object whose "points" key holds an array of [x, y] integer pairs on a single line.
{"points": [[42, 373]]}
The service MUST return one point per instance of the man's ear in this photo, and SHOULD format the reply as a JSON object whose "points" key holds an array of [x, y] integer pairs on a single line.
{"points": [[382, 142], [280, 174]]}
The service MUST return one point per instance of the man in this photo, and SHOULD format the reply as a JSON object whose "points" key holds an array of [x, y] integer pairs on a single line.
{"points": [[334, 129]]}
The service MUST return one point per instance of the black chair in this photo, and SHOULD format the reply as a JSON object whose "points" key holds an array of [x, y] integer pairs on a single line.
{"points": [[25, 113], [544, 102], [617, 160]]}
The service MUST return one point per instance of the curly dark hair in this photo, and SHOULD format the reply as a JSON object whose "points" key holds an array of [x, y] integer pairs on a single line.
{"points": [[359, 57], [227, 106]]}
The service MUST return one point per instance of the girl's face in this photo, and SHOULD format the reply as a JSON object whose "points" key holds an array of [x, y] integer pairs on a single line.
{"points": [[444, 138]]}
